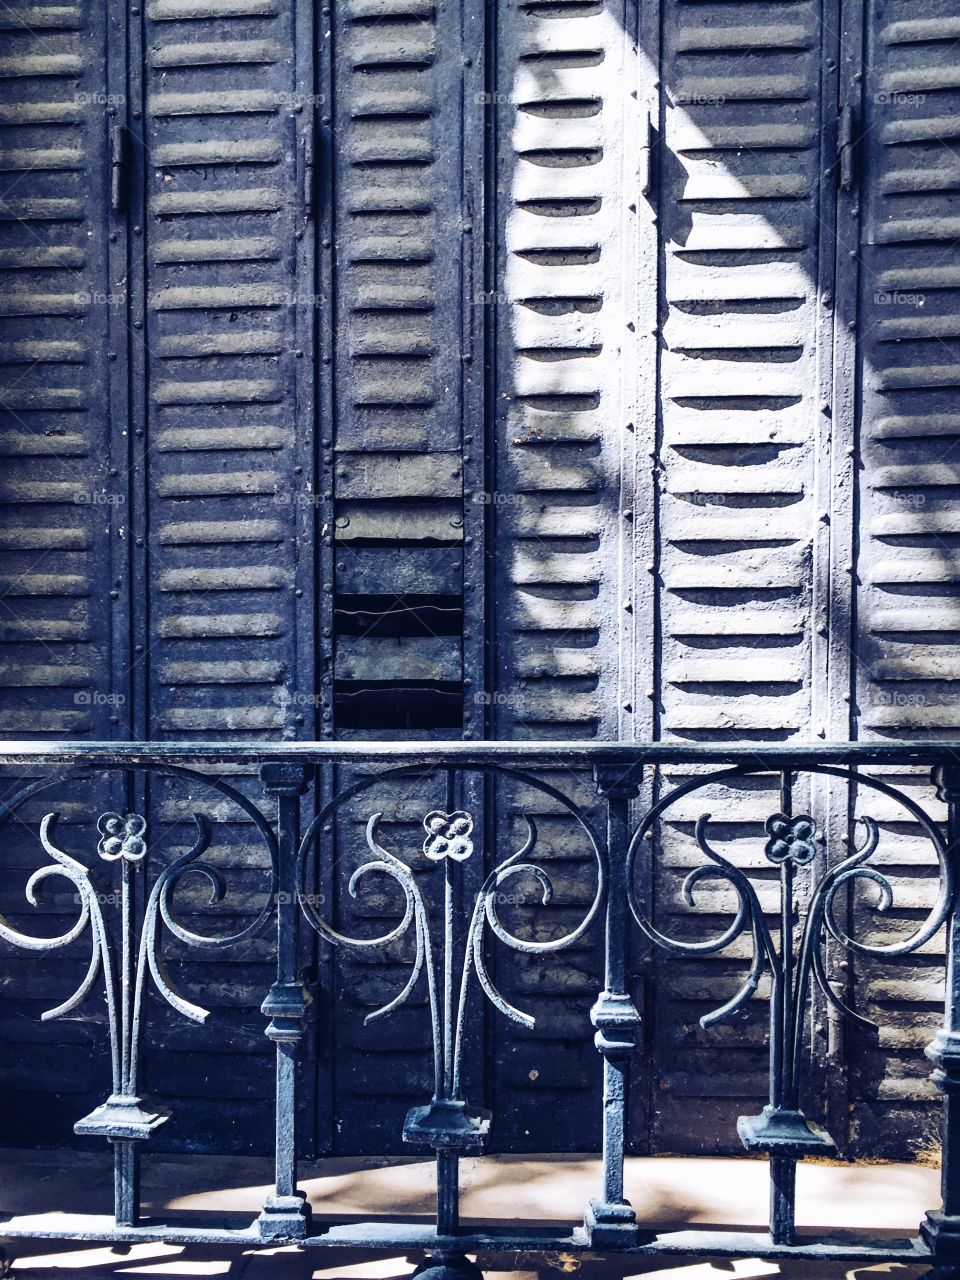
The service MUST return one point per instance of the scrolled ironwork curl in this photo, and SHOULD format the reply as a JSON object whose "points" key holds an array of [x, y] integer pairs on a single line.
{"points": [[69, 869], [12, 803], [748, 913], [89, 916], [414, 913], [853, 868], [448, 844], [127, 961], [791, 839], [187, 864]]}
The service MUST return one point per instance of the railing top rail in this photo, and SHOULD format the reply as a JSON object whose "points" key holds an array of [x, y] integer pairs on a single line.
{"points": [[758, 755]]}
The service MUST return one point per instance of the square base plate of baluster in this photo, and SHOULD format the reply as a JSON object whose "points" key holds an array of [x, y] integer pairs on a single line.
{"points": [[122, 1118], [613, 1225], [449, 1125], [784, 1133]]}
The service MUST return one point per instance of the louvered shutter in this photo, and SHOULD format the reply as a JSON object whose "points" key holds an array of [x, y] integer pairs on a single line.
{"points": [[63, 513], [737, 190], [225, 427], [229, 523], [908, 484], [562, 305], [403, 439], [57, 495], [403, 382]]}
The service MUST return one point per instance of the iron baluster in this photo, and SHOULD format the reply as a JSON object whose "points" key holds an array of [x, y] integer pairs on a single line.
{"points": [[448, 1159], [286, 1213], [448, 1123], [783, 1168], [124, 1120], [610, 1219], [781, 1130], [941, 1230], [450, 1263]]}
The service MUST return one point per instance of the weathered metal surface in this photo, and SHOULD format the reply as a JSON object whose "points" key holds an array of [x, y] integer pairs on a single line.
{"points": [[907, 302], [764, 756], [62, 483], [406, 377], [225, 528], [228, 524], [556, 305], [906, 477], [403, 228], [64, 513], [737, 184], [671, 1244]]}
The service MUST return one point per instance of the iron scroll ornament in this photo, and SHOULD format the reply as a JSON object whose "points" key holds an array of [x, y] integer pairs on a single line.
{"points": [[782, 1130], [122, 841], [127, 953], [790, 843], [448, 1123]]}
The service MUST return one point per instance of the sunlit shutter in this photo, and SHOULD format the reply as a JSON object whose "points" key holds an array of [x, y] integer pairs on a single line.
{"points": [[908, 611], [738, 185], [561, 304]]}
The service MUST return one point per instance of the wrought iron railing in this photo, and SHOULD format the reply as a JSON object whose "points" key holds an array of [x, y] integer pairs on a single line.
{"points": [[447, 938]]}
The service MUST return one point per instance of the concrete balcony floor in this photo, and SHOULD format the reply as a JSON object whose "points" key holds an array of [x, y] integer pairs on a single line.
{"points": [[875, 1199]]}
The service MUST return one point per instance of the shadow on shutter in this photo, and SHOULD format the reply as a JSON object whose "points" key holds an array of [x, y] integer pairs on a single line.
{"points": [[62, 508], [227, 505], [909, 484]]}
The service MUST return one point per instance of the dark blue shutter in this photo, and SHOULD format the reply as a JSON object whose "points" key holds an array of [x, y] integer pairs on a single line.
{"points": [[227, 595], [403, 439], [64, 518]]}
